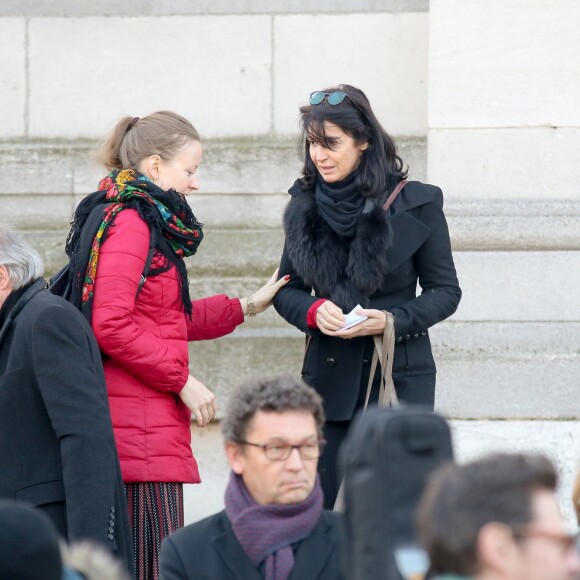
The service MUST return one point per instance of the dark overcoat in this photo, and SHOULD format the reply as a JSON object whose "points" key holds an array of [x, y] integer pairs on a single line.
{"points": [[380, 268], [57, 450], [209, 549]]}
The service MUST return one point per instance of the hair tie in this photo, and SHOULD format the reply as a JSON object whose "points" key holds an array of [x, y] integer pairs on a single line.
{"points": [[134, 122]]}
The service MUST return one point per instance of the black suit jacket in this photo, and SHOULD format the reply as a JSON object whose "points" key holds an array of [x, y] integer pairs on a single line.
{"points": [[57, 449], [419, 252], [208, 550]]}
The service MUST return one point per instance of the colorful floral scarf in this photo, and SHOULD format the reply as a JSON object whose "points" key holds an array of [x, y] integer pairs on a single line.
{"points": [[175, 231]]}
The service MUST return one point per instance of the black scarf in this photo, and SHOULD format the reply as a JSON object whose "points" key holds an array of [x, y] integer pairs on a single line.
{"points": [[340, 204], [346, 270]]}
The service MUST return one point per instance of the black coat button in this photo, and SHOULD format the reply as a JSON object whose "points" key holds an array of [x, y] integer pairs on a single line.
{"points": [[415, 336], [407, 336], [423, 333], [110, 536], [331, 362], [399, 339], [111, 529], [365, 361]]}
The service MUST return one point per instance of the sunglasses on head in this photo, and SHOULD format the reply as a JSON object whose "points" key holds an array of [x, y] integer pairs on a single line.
{"points": [[334, 98]]}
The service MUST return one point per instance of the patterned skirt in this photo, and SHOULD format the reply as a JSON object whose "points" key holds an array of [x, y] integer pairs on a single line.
{"points": [[155, 511]]}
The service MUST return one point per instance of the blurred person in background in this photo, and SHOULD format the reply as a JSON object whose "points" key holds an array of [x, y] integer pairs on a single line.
{"points": [[497, 518]]}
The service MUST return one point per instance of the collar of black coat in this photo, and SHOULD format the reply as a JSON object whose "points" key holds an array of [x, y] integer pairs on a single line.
{"points": [[348, 271], [16, 302], [311, 556]]}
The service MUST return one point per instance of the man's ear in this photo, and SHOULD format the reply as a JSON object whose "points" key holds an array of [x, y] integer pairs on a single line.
{"points": [[236, 458], [497, 548], [4, 279]]}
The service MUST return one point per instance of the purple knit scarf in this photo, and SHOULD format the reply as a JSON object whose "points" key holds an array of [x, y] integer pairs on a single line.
{"points": [[267, 532]]}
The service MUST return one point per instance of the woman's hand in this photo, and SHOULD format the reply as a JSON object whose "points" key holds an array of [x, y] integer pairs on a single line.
{"points": [[374, 324], [329, 318], [200, 401], [263, 297]]}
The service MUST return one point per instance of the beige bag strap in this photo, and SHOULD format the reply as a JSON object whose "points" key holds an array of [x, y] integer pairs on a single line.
{"points": [[383, 353]]}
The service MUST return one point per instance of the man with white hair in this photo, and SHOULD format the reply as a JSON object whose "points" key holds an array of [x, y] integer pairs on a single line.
{"points": [[57, 449]]}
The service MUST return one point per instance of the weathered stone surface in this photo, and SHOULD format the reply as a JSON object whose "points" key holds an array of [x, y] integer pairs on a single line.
{"points": [[175, 7], [485, 370], [522, 224], [496, 63], [524, 286], [537, 163], [559, 440], [249, 167], [193, 71], [13, 97], [393, 73]]}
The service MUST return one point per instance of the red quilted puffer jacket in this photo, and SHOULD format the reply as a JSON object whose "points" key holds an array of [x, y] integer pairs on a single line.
{"points": [[144, 346]]}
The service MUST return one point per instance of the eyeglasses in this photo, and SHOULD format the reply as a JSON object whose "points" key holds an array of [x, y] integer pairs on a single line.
{"points": [[333, 99], [281, 451], [569, 542]]}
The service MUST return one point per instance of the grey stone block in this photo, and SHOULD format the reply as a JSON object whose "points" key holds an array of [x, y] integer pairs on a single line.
{"points": [[39, 217], [518, 285], [175, 7], [250, 167], [559, 440], [488, 370], [514, 224], [386, 55], [13, 89], [508, 163], [507, 389]]}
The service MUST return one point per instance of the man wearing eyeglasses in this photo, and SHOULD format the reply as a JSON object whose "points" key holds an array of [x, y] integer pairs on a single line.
{"points": [[497, 519], [273, 525]]}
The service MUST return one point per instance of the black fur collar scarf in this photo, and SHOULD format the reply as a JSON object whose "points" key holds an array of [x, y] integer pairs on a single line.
{"points": [[347, 271]]}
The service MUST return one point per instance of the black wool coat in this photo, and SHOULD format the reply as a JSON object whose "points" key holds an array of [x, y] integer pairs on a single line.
{"points": [[209, 549], [57, 449], [380, 268]]}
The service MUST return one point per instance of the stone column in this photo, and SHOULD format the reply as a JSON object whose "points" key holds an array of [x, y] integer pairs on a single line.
{"points": [[504, 144]]}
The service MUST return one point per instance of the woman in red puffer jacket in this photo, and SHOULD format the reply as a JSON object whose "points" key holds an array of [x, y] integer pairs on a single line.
{"points": [[143, 329]]}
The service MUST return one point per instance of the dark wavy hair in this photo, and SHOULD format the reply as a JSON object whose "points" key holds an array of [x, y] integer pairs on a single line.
{"points": [[380, 165], [276, 394]]}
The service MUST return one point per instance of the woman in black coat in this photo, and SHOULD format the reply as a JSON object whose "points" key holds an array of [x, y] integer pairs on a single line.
{"points": [[344, 250]]}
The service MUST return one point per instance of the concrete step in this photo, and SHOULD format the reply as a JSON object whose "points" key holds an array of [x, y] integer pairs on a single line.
{"points": [[244, 182], [501, 370], [255, 250]]}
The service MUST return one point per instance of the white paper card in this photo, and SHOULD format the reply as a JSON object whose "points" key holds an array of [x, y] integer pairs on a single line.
{"points": [[352, 318]]}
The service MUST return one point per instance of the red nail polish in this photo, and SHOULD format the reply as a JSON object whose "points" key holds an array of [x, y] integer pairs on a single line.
{"points": [[287, 277]]}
